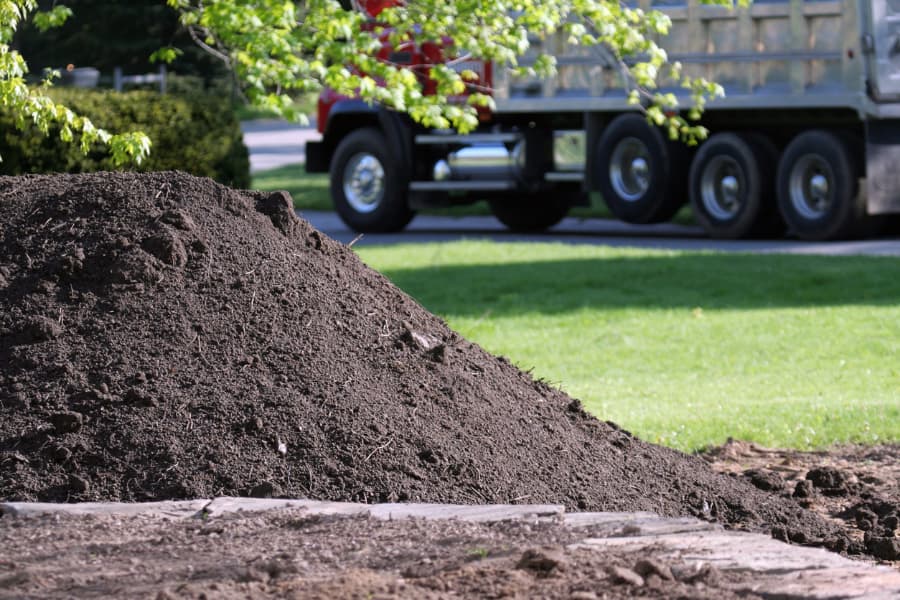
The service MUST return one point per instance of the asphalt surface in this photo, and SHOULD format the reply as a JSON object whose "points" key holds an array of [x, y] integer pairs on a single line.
{"points": [[425, 228], [275, 143]]}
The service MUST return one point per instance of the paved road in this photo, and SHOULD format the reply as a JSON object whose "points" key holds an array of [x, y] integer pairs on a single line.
{"points": [[426, 228], [275, 143]]}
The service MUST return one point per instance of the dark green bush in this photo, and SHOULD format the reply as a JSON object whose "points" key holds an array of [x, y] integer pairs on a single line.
{"points": [[197, 134]]}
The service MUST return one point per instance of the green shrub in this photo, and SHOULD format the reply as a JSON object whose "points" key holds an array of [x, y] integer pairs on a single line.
{"points": [[197, 134]]}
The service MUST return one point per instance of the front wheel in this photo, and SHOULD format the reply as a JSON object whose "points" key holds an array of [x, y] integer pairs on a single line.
{"points": [[367, 187]]}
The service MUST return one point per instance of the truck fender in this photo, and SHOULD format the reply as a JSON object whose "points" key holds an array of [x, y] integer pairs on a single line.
{"points": [[351, 114]]}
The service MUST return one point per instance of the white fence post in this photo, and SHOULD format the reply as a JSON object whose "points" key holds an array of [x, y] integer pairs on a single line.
{"points": [[162, 78]]}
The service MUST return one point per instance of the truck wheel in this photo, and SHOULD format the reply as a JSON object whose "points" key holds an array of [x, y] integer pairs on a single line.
{"points": [[531, 212], [367, 185], [732, 184], [818, 187], [640, 175]]}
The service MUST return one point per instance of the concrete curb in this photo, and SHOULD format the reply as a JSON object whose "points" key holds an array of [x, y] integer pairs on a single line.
{"points": [[778, 570], [218, 507]]}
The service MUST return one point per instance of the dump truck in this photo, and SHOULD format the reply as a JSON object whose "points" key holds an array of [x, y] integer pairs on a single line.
{"points": [[805, 140]]}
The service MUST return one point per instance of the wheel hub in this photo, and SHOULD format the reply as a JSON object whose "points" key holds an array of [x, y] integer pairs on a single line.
{"points": [[364, 182], [810, 187], [629, 169], [818, 185], [722, 188], [730, 185]]}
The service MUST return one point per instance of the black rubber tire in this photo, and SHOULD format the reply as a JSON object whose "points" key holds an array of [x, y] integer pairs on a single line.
{"points": [[666, 188], [531, 213], [751, 159], [390, 211], [845, 213]]}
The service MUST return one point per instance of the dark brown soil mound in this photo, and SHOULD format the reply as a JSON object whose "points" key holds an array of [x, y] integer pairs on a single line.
{"points": [[162, 336]]}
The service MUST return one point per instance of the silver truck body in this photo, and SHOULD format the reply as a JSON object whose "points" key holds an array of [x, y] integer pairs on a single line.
{"points": [[776, 54], [805, 141]]}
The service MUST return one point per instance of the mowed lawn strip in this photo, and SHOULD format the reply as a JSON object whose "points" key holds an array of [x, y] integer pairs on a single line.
{"points": [[682, 348], [309, 190]]}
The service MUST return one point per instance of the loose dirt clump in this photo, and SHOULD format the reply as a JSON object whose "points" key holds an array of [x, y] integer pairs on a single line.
{"points": [[856, 487], [164, 337]]}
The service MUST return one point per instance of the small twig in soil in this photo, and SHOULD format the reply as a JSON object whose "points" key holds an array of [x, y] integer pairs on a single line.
{"points": [[356, 239], [381, 447], [210, 264], [165, 188], [310, 482]]}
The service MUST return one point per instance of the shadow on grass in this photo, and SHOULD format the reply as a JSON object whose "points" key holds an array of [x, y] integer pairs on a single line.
{"points": [[708, 281]]}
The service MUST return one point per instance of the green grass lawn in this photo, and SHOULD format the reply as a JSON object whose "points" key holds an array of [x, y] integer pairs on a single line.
{"points": [[684, 349], [309, 190]]}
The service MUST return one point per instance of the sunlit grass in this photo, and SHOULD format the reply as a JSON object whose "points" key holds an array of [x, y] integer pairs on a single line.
{"points": [[685, 349], [309, 190]]}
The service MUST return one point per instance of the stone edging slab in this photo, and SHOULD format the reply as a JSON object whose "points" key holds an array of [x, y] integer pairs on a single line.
{"points": [[778, 569]]}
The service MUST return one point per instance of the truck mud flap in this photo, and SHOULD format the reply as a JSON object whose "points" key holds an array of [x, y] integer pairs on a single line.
{"points": [[316, 157], [883, 167]]}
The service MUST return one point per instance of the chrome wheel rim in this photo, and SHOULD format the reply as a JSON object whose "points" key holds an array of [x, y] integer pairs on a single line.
{"points": [[364, 182], [811, 185], [629, 169], [722, 188]]}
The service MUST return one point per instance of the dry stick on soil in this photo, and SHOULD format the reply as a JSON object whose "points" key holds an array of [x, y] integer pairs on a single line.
{"points": [[379, 448]]}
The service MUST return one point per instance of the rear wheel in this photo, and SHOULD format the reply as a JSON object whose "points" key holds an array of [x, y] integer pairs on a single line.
{"points": [[532, 212], [640, 174], [818, 187], [367, 187], [732, 182]]}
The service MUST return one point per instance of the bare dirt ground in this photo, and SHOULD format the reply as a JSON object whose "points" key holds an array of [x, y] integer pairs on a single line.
{"points": [[164, 337], [291, 554], [857, 487], [286, 554]]}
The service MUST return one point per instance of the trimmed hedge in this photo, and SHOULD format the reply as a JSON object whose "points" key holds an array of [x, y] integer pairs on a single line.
{"points": [[197, 134]]}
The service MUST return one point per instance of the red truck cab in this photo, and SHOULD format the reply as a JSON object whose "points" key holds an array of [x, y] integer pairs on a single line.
{"points": [[384, 167]]}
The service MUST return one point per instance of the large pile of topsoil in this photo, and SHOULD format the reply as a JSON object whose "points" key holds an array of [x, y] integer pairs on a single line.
{"points": [[162, 336]]}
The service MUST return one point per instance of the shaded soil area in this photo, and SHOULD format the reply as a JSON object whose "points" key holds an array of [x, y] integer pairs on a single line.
{"points": [[856, 487], [164, 337], [285, 554]]}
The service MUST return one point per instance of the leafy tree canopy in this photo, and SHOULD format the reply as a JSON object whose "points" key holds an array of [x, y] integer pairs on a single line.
{"points": [[277, 47], [29, 104]]}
